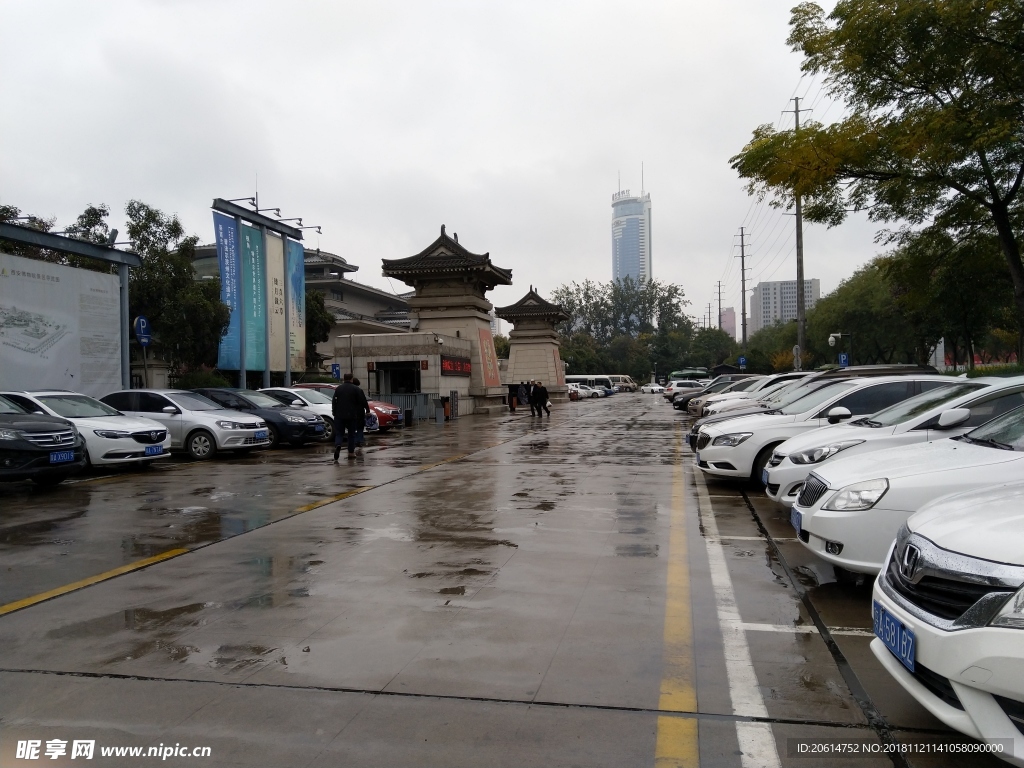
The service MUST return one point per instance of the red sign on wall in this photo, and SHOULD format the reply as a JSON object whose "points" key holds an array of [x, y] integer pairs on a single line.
{"points": [[456, 366], [423, 365]]}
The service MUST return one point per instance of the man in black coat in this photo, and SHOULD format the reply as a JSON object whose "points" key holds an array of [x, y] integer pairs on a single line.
{"points": [[349, 407], [540, 394]]}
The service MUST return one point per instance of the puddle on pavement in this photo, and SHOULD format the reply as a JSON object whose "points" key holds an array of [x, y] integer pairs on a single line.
{"points": [[136, 619]]}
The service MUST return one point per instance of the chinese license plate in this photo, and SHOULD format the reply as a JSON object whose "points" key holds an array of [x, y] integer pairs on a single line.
{"points": [[318, 428], [764, 476], [154, 450], [894, 634], [261, 434], [796, 519], [59, 457], [698, 457]]}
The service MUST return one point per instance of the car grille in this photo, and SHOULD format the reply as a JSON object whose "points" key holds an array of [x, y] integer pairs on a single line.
{"points": [[702, 441], [150, 438], [813, 490], [254, 441], [772, 488], [776, 459], [250, 425], [944, 597], [937, 684], [1014, 710], [61, 439]]}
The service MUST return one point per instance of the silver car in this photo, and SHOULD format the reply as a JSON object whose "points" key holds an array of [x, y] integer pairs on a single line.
{"points": [[197, 425]]}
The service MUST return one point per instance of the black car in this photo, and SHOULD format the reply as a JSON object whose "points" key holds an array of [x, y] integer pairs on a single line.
{"points": [[293, 425], [44, 449]]}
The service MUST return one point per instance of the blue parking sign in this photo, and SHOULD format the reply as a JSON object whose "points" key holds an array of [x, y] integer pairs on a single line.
{"points": [[743, 362], [142, 332], [336, 370], [844, 360]]}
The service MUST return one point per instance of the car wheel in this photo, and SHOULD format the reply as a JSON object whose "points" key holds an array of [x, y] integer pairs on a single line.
{"points": [[201, 445], [49, 481], [328, 430], [760, 463], [275, 438]]}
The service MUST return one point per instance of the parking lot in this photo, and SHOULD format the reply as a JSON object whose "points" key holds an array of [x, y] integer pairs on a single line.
{"points": [[510, 591]]}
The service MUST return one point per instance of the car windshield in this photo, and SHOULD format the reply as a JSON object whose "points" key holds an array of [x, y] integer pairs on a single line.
{"points": [[261, 400], [190, 401], [77, 406], [743, 384], [1006, 432], [915, 406], [817, 397], [6, 406], [773, 388], [794, 392], [715, 388], [314, 396]]}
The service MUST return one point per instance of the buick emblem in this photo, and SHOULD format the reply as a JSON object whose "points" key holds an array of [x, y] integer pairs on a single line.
{"points": [[911, 556], [152, 436]]}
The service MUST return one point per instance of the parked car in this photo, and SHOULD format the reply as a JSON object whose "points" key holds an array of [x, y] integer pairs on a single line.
{"points": [[652, 389], [110, 436], [736, 399], [849, 510], [696, 404], [388, 414], [932, 415], [325, 389], [681, 398], [588, 392], [948, 613], [197, 425], [284, 423], [314, 399], [44, 449], [741, 447], [672, 388]]}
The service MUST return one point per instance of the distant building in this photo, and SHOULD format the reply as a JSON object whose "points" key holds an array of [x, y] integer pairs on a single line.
{"points": [[495, 323], [776, 302], [631, 236], [729, 321]]}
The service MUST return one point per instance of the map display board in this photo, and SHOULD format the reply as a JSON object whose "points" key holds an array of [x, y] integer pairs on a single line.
{"points": [[60, 327]]}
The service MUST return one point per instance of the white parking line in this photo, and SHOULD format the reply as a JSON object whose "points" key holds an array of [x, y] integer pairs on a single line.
{"points": [[805, 629], [756, 741]]}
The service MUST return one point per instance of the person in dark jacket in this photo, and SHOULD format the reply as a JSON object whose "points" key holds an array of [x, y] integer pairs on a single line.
{"points": [[523, 395], [348, 408], [361, 425], [540, 393]]}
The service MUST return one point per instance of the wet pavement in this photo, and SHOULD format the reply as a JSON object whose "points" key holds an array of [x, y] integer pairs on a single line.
{"points": [[495, 591]]}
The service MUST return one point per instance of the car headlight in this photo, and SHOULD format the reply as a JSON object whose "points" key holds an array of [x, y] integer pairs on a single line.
{"points": [[1012, 614], [113, 434], [295, 419], [731, 440], [229, 425], [822, 452], [261, 424], [858, 496], [10, 434]]}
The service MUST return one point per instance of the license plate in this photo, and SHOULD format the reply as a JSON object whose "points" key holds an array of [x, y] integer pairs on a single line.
{"points": [[796, 520], [764, 477], [154, 450], [698, 457], [894, 634], [318, 428], [59, 457], [261, 434]]}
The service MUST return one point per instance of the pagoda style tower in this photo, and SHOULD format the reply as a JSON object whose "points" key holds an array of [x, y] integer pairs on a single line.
{"points": [[450, 284], [533, 345]]}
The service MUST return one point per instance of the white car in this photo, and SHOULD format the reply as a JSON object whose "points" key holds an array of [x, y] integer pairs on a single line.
{"points": [[586, 391], [769, 385], [948, 613], [917, 420], [652, 389], [314, 400], [741, 447], [110, 436], [735, 388], [849, 510], [679, 385]]}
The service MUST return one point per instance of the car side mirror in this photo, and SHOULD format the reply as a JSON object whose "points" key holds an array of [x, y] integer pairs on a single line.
{"points": [[954, 417], [298, 404], [837, 414], [170, 409]]}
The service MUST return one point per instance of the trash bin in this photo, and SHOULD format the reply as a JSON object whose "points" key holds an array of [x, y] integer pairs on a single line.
{"points": [[408, 417], [447, 405], [439, 411]]}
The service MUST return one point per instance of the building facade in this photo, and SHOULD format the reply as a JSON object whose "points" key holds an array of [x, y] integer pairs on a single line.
{"points": [[775, 302], [631, 236], [729, 321]]}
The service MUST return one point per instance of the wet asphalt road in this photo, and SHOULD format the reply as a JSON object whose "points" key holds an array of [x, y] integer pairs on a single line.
{"points": [[497, 591]]}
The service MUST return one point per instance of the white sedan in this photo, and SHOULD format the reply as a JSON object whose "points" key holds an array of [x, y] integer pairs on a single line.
{"points": [[850, 510], [917, 420], [652, 389], [313, 399], [948, 613], [741, 447], [110, 436]]}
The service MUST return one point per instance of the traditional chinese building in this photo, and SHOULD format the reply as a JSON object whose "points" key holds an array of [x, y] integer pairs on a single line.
{"points": [[533, 343]]}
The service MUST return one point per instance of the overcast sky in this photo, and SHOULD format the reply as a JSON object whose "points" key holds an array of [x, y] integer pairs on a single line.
{"points": [[508, 122]]}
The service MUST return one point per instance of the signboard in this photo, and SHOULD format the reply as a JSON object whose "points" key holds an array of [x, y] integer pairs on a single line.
{"points": [[60, 327], [295, 274], [423, 365], [489, 358], [743, 363], [142, 333], [844, 360], [278, 324], [336, 370], [456, 366], [253, 290], [226, 233]]}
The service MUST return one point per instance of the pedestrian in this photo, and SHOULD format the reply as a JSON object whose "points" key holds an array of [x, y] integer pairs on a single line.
{"points": [[523, 394], [347, 409], [512, 392], [361, 424], [541, 393], [532, 397]]}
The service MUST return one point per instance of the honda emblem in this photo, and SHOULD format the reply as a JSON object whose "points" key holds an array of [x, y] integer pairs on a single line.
{"points": [[911, 556]]}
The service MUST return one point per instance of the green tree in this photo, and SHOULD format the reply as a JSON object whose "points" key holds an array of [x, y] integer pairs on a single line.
{"points": [[187, 315], [90, 226], [933, 134], [501, 346], [710, 346], [319, 322]]}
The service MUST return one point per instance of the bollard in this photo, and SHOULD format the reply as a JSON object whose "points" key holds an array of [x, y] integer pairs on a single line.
{"points": [[408, 417]]}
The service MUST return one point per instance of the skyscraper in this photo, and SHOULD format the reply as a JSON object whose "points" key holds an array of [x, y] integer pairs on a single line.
{"points": [[775, 301], [631, 236]]}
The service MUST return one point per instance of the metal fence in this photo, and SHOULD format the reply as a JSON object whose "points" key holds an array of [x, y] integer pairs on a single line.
{"points": [[421, 403]]}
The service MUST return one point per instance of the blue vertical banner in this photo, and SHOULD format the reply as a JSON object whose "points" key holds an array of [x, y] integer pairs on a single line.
{"points": [[295, 274], [226, 233], [253, 286]]}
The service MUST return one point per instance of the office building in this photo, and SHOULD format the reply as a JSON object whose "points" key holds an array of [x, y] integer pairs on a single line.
{"points": [[631, 236], [729, 321], [775, 302]]}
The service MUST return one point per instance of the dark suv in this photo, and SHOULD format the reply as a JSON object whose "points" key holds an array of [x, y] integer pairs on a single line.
{"points": [[44, 449], [293, 425]]}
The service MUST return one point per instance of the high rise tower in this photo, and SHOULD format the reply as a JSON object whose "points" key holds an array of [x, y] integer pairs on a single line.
{"points": [[631, 235]]}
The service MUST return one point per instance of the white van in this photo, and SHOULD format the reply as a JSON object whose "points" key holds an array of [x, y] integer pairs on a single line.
{"points": [[624, 383]]}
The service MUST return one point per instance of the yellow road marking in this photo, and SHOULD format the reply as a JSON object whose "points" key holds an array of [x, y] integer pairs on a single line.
{"points": [[676, 745], [332, 499], [76, 585], [425, 467]]}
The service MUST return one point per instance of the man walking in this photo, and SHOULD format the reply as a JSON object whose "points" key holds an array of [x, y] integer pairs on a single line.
{"points": [[523, 395], [361, 422], [541, 394], [534, 410], [347, 407]]}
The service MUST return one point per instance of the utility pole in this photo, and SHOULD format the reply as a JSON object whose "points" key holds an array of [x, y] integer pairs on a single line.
{"points": [[742, 284], [709, 316], [801, 315], [719, 305]]}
